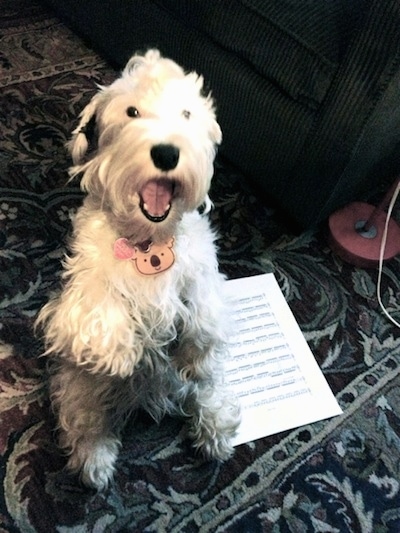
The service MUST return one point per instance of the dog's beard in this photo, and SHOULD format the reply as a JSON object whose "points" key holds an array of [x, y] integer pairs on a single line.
{"points": [[131, 222], [141, 204]]}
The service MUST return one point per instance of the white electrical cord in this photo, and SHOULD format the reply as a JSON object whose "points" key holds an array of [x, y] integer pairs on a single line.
{"points": [[382, 252]]}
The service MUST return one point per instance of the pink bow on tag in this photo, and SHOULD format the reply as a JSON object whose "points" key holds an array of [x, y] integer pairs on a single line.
{"points": [[123, 250]]}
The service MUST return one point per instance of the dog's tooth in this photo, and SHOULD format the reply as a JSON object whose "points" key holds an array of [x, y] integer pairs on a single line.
{"points": [[145, 206]]}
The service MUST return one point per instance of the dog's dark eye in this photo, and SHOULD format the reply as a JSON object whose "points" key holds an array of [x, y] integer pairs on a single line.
{"points": [[186, 113], [132, 112]]}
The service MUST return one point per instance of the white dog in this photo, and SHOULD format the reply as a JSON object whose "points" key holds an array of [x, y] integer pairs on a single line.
{"points": [[141, 321]]}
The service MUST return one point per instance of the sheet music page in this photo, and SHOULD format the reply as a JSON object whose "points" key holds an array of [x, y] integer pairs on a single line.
{"points": [[272, 370]]}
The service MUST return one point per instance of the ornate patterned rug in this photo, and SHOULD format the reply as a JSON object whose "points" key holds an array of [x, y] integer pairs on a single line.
{"points": [[338, 475]]}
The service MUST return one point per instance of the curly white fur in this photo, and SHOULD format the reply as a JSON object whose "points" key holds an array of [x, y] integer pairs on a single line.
{"points": [[123, 340]]}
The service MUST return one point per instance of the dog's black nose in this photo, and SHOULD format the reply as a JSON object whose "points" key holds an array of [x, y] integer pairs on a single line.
{"points": [[165, 156]]}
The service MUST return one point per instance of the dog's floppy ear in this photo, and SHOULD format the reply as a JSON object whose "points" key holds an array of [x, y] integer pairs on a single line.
{"points": [[84, 133], [205, 93], [216, 133]]}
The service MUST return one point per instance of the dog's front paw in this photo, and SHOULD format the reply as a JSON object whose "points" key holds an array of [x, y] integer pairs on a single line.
{"points": [[214, 426], [218, 447], [95, 462]]}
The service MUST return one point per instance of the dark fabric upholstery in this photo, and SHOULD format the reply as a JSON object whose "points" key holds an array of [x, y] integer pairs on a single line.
{"points": [[307, 92]]}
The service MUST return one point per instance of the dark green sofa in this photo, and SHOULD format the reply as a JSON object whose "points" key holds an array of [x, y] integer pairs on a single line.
{"points": [[308, 91]]}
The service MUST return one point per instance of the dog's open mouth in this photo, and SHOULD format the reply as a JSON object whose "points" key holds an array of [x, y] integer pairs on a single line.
{"points": [[156, 199]]}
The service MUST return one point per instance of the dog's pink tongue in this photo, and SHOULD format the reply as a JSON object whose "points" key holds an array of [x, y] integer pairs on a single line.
{"points": [[156, 196]]}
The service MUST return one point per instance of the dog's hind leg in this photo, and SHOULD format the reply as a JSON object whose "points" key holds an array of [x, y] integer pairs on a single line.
{"points": [[85, 405]]}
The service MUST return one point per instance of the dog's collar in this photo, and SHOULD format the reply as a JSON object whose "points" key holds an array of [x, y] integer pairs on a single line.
{"points": [[149, 258]]}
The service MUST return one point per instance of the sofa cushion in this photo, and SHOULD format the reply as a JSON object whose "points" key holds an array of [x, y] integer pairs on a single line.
{"points": [[297, 46]]}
